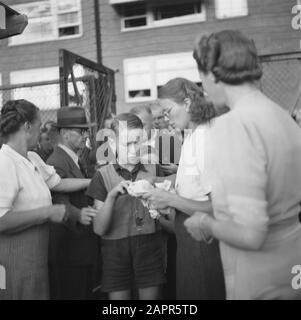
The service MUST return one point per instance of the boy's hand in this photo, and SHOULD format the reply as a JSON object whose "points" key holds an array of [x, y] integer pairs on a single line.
{"points": [[87, 215], [121, 188]]}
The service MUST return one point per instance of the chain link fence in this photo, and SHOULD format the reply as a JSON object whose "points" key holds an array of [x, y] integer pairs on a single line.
{"points": [[101, 86], [281, 79], [46, 95], [95, 90]]}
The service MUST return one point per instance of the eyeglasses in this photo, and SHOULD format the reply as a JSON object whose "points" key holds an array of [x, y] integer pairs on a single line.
{"points": [[80, 131], [159, 118], [166, 115]]}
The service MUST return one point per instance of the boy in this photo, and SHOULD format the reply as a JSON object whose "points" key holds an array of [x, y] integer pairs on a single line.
{"points": [[148, 151], [132, 245]]}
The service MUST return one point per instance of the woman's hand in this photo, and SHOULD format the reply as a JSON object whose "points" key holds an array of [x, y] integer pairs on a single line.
{"points": [[199, 226], [159, 199], [57, 213], [121, 188]]}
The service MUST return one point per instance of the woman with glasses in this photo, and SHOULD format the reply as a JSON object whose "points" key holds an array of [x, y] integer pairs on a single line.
{"points": [[199, 270]]}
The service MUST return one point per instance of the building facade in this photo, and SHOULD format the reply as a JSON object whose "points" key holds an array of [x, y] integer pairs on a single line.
{"points": [[149, 42], [33, 56], [146, 42]]}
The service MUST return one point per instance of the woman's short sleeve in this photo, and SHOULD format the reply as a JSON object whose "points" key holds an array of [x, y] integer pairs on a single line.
{"points": [[239, 189], [9, 186], [48, 173]]}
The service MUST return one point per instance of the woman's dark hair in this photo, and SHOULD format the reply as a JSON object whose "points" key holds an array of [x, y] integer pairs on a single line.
{"points": [[179, 89], [230, 56], [133, 121], [14, 114]]}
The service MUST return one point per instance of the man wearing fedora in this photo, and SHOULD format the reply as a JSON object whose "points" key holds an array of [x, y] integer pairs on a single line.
{"points": [[74, 249]]}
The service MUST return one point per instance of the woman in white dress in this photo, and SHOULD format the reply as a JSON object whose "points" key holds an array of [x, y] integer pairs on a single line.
{"points": [[26, 205], [257, 165], [199, 270]]}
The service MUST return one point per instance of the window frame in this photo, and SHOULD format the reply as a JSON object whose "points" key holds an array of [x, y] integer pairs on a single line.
{"points": [[152, 23], [154, 70], [54, 21]]}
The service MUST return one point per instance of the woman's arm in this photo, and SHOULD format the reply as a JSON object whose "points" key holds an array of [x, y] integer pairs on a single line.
{"points": [[230, 232], [237, 235], [13, 221], [189, 206], [71, 185], [161, 199]]}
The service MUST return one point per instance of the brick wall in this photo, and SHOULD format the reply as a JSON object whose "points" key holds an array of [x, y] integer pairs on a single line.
{"points": [[268, 23]]}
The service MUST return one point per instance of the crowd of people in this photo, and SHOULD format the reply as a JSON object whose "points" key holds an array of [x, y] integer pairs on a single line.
{"points": [[227, 226]]}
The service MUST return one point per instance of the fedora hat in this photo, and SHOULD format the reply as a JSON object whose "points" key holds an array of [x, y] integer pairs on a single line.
{"points": [[72, 117]]}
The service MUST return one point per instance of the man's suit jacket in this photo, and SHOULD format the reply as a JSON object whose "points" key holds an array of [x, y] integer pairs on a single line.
{"points": [[71, 243]]}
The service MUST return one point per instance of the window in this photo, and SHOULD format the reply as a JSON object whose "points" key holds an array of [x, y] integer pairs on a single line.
{"points": [[231, 8], [144, 76], [49, 20], [143, 15]]}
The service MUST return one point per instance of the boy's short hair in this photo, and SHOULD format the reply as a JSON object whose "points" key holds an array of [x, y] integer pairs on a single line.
{"points": [[138, 109], [133, 121]]}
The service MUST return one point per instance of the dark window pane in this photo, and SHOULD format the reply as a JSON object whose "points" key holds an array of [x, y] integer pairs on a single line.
{"points": [[177, 10], [68, 31], [139, 93], [135, 22]]}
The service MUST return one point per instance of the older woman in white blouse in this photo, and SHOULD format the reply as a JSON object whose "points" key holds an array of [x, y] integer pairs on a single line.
{"points": [[256, 149], [25, 204]]}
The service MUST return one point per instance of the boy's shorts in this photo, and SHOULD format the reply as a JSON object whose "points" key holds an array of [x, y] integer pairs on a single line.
{"points": [[133, 262]]}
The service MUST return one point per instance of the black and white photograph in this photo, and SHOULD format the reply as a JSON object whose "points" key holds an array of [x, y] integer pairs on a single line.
{"points": [[150, 150]]}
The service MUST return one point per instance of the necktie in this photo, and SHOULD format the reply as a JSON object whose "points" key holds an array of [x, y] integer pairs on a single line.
{"points": [[82, 168]]}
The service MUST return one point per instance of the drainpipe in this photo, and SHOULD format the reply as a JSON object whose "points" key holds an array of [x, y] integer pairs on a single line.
{"points": [[97, 31]]}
